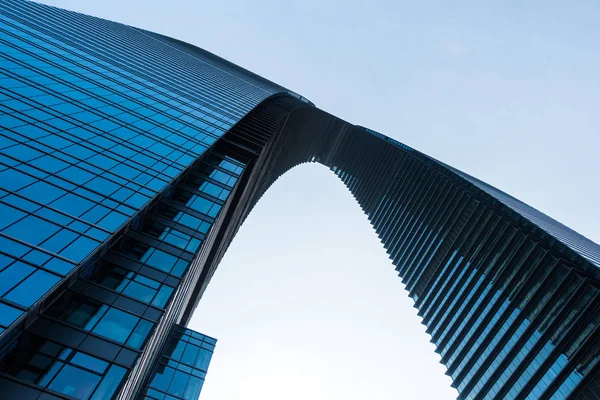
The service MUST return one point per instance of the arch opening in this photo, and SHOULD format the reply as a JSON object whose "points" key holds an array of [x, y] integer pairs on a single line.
{"points": [[475, 260], [321, 281]]}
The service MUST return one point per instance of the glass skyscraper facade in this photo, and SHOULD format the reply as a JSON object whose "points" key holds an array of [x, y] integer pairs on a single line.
{"points": [[129, 160]]}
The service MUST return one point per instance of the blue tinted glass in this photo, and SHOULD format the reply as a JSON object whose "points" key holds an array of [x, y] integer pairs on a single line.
{"points": [[8, 314], [54, 216], [14, 180], [21, 203], [178, 384], [178, 351], [161, 260], [72, 204], [112, 221], [42, 192], [201, 204], [32, 229], [37, 257], [214, 210], [116, 325], [110, 383], [193, 245], [190, 353], [211, 189], [139, 334], [203, 359], [9, 215], [87, 314], [30, 290], [192, 390], [162, 297], [179, 267], [89, 362], [13, 275], [59, 241], [74, 382], [59, 266], [155, 394], [76, 174], [95, 214], [79, 249], [147, 281], [175, 238], [140, 292], [50, 374], [5, 261], [162, 379]]}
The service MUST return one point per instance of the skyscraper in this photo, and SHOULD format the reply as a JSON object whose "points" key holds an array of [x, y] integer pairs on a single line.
{"points": [[128, 160]]}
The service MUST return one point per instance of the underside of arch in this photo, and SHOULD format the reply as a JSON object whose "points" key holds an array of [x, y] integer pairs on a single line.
{"points": [[475, 264]]}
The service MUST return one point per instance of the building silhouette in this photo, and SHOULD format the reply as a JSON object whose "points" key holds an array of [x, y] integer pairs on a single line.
{"points": [[128, 161]]}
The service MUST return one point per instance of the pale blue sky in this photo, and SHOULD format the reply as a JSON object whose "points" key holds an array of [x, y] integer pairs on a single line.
{"points": [[507, 91]]}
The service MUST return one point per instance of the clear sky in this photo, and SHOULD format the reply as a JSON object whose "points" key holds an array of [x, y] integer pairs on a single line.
{"points": [[305, 303]]}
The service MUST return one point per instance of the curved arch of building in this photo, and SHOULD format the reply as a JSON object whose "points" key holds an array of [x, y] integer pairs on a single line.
{"points": [[465, 255]]}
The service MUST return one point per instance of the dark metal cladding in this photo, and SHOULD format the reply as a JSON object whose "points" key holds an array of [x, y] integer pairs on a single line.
{"points": [[128, 162]]}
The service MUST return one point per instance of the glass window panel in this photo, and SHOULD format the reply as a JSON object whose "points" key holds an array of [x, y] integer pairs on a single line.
{"points": [[5, 261], [59, 241], [89, 362], [154, 394], [30, 290], [192, 390], [147, 281], [42, 192], [190, 353], [162, 296], [79, 249], [200, 204], [59, 266], [95, 214], [72, 204], [175, 238], [179, 267], [161, 260], [21, 203], [137, 200], [110, 383], [214, 210], [12, 275], [22, 152], [8, 314], [54, 216], [32, 229], [139, 334], [76, 174], [102, 185], [50, 374], [178, 384], [112, 221], [162, 379], [140, 292], [74, 382], [203, 359], [41, 361], [9, 215], [116, 325], [211, 189], [88, 314], [178, 351], [37, 257], [97, 234], [49, 164]]}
